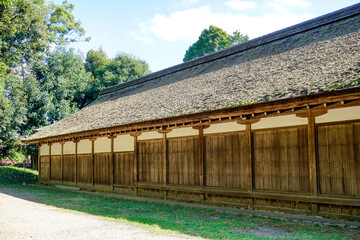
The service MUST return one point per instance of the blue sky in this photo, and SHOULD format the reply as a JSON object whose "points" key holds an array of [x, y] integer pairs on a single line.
{"points": [[160, 32]]}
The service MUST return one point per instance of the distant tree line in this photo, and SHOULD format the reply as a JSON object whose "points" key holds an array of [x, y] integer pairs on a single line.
{"points": [[41, 79]]}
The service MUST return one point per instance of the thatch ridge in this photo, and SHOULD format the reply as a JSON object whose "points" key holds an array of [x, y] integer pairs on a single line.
{"points": [[283, 33]]}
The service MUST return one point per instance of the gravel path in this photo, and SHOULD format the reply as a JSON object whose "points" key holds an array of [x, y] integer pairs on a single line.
{"points": [[21, 219]]}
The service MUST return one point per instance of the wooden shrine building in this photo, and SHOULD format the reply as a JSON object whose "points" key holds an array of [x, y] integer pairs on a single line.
{"points": [[272, 123]]}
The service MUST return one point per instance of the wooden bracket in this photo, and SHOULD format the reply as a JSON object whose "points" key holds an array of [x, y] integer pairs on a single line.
{"points": [[164, 130], [135, 134], [62, 143], [199, 127], [112, 136], [310, 113], [248, 121], [49, 143], [76, 140], [92, 139]]}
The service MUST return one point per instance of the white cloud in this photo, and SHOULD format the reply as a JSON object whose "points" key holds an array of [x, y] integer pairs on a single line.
{"points": [[141, 38], [241, 5], [188, 24], [184, 3], [294, 3]]}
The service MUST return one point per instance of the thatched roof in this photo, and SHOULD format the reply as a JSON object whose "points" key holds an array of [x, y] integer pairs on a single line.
{"points": [[319, 55]]}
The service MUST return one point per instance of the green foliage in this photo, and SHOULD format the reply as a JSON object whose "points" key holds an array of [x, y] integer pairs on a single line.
{"points": [[108, 72], [212, 40], [15, 175], [29, 27]]}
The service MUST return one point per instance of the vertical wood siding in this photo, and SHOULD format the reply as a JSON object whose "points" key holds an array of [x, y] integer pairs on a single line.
{"points": [[44, 167], [124, 168], [225, 163], [84, 168], [339, 159], [56, 168], [68, 168], [150, 161], [102, 163], [183, 161], [281, 160]]}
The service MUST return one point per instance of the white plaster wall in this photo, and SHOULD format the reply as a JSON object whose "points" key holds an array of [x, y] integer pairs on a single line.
{"points": [[281, 121], [224, 127], [102, 145], [84, 146], [69, 148], [123, 143], [44, 150], [56, 149], [150, 135], [183, 132], [341, 114]]}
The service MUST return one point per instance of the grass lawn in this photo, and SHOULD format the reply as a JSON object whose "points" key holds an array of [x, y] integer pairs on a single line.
{"points": [[206, 223]]}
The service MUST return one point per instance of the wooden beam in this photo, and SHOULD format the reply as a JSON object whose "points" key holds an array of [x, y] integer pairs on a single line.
{"points": [[136, 159]]}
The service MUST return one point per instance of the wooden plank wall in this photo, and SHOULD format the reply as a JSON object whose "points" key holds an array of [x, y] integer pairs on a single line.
{"points": [[56, 168], [102, 166], [44, 167], [150, 154], [124, 168], [68, 168], [339, 159], [183, 161], [281, 160], [225, 163], [278, 165], [84, 168]]}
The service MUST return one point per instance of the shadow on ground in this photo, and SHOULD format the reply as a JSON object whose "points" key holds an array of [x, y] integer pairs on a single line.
{"points": [[191, 221]]}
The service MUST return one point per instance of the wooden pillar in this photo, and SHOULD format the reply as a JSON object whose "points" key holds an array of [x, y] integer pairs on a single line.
{"points": [[62, 162], [112, 162], [165, 158], [76, 158], [249, 156], [312, 153], [39, 162], [93, 160], [49, 161], [136, 163]]}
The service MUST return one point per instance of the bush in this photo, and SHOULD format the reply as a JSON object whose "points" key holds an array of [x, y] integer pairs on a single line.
{"points": [[15, 175]]}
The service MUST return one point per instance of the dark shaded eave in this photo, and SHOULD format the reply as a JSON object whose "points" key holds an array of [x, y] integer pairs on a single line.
{"points": [[283, 33], [299, 104]]}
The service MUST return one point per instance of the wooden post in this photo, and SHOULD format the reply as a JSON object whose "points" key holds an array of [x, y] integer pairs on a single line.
{"points": [[49, 162], [312, 153], [112, 168], [62, 162], [202, 164], [76, 159], [93, 160], [165, 159], [249, 156], [39, 162], [136, 172]]}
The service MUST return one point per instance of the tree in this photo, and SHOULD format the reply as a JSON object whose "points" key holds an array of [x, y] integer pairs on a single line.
{"points": [[108, 72], [29, 27], [212, 40]]}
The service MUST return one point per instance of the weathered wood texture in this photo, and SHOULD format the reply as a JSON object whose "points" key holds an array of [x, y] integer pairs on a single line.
{"points": [[281, 160], [102, 168], [225, 161], [84, 168], [183, 161], [44, 167], [150, 153], [56, 168], [339, 159], [124, 168], [68, 168]]}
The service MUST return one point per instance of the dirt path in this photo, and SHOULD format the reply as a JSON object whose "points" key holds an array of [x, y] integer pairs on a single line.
{"points": [[21, 219]]}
